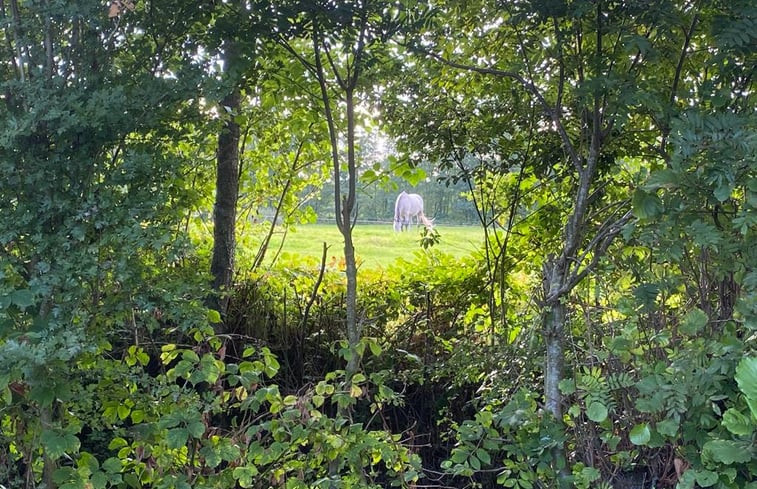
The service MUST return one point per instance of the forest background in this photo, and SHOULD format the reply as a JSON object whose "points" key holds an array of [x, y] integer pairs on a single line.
{"points": [[602, 335]]}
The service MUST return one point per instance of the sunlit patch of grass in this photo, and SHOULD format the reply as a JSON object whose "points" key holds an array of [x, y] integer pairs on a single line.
{"points": [[376, 245]]}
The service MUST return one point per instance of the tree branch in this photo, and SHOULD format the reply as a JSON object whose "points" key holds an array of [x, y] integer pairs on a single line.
{"points": [[677, 77], [332, 131]]}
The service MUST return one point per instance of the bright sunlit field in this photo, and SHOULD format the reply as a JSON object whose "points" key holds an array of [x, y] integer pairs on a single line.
{"points": [[376, 245]]}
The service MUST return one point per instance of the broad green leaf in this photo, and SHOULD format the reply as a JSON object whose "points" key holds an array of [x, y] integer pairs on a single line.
{"points": [[214, 316], [211, 455], [177, 437], [229, 452], [375, 347], [645, 205], [706, 478], [123, 411], [667, 427], [56, 443], [647, 294], [22, 298], [662, 179], [99, 480], [640, 434], [693, 322], [567, 386], [245, 475], [737, 423], [112, 465], [727, 451], [196, 428], [474, 462], [137, 416], [746, 376], [117, 443], [484, 456], [723, 191], [597, 412]]}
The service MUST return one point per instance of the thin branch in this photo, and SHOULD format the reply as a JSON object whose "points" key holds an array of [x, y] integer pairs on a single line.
{"points": [[316, 286], [281, 41], [342, 226], [603, 244], [677, 77]]}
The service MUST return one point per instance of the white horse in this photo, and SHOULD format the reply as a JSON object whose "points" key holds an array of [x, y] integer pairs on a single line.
{"points": [[406, 207]]}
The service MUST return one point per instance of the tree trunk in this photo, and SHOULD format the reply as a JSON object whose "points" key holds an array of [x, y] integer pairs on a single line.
{"points": [[353, 326], [554, 317], [554, 323], [225, 208], [48, 465]]}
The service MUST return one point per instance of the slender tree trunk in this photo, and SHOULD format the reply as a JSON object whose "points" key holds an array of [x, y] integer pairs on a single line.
{"points": [[555, 314], [225, 209], [353, 326], [49, 465], [554, 317]]}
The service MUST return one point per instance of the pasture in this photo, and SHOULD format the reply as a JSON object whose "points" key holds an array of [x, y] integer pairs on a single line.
{"points": [[376, 245]]}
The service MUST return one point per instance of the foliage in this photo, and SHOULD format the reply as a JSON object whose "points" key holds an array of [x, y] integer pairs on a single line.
{"points": [[553, 118]]}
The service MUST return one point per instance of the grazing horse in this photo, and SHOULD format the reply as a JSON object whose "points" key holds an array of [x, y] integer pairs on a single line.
{"points": [[406, 207]]}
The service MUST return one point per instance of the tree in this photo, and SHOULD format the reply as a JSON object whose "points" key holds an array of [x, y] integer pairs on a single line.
{"points": [[346, 40], [600, 74], [91, 198]]}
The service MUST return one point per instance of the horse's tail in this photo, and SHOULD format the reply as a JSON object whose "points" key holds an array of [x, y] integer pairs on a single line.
{"points": [[429, 224], [397, 219]]}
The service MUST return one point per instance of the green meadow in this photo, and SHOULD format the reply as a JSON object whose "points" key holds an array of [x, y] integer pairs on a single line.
{"points": [[376, 245]]}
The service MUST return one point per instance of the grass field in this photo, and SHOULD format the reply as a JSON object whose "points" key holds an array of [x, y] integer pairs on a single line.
{"points": [[376, 245]]}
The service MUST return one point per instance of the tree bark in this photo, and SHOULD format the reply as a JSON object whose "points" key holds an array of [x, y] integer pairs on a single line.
{"points": [[554, 318], [225, 208]]}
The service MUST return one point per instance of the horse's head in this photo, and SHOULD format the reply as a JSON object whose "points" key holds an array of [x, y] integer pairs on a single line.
{"points": [[397, 225]]}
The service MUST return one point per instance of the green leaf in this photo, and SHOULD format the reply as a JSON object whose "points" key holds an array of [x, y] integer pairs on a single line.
{"points": [[640, 434], [214, 316], [99, 480], [723, 191], [662, 179], [212, 456], [645, 205], [737, 423], [196, 428], [22, 298], [727, 451], [746, 376], [484, 456], [706, 478], [667, 427], [177, 437], [693, 322], [567, 386], [123, 411], [375, 347], [56, 443], [112, 465], [597, 412], [245, 475]]}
